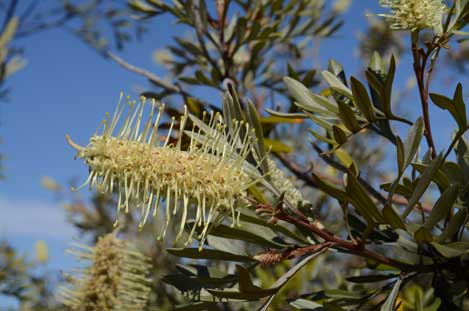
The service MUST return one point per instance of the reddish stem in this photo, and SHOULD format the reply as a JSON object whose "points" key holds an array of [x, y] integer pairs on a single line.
{"points": [[420, 63], [354, 248]]}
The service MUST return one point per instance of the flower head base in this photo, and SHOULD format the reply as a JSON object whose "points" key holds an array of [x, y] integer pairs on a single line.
{"points": [[415, 14], [116, 278], [210, 175]]}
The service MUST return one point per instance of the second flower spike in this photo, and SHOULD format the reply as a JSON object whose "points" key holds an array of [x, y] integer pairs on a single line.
{"points": [[415, 14]]}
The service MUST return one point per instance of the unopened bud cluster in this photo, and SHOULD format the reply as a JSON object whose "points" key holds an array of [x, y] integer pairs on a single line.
{"points": [[285, 185]]}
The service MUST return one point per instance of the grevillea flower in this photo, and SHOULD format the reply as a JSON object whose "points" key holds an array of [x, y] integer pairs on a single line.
{"points": [[415, 14], [210, 176], [115, 279]]}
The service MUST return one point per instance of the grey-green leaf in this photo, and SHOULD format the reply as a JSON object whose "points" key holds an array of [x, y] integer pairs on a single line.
{"points": [[452, 249], [391, 300], [392, 218], [336, 84], [455, 106], [362, 201], [347, 116], [259, 237], [423, 183], [460, 106], [387, 91], [339, 135], [400, 155], [454, 225], [208, 254], [412, 141], [253, 119], [286, 114], [304, 304], [287, 276], [442, 206], [362, 100], [307, 101]]}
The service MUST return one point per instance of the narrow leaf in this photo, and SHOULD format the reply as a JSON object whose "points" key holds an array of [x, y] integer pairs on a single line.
{"points": [[371, 278], [303, 97], [439, 177], [9, 32], [339, 135], [347, 116], [412, 141], [391, 300], [277, 146], [246, 285], [362, 100], [208, 254], [322, 138], [287, 276], [245, 216], [278, 119], [455, 106], [392, 218], [400, 155], [451, 250], [423, 235], [330, 189], [387, 91], [260, 237], [253, 119], [304, 304], [442, 206], [336, 84], [460, 107], [423, 183], [362, 201], [454, 225], [287, 115]]}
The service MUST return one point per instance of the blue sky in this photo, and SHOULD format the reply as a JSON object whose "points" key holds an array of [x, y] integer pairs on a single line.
{"points": [[67, 87]]}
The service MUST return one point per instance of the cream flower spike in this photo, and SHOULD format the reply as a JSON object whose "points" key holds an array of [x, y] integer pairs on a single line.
{"points": [[210, 176], [415, 14], [115, 279]]}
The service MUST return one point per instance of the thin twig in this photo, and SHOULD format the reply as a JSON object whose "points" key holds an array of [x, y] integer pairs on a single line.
{"points": [[420, 63], [222, 9], [147, 74], [335, 241], [172, 88], [297, 170], [200, 32]]}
